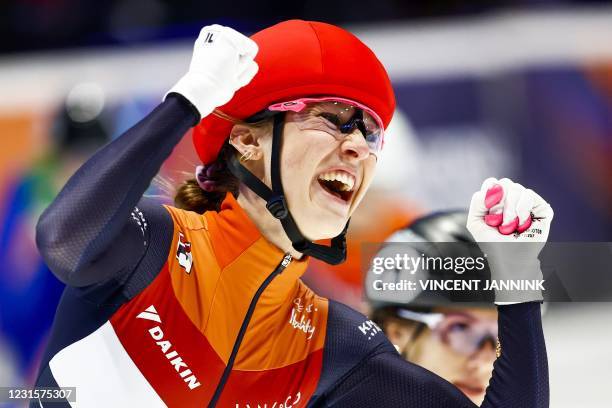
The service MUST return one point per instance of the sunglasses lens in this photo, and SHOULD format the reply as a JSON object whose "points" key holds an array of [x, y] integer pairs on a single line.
{"points": [[337, 118], [466, 335]]}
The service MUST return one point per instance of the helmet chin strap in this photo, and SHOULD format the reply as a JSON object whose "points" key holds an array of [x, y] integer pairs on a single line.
{"points": [[277, 204]]}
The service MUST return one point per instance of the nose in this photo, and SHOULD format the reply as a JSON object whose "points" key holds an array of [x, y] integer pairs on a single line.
{"points": [[483, 358], [354, 146]]}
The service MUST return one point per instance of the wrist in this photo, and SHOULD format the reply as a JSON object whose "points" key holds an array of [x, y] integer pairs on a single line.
{"points": [[201, 93], [184, 102], [516, 281]]}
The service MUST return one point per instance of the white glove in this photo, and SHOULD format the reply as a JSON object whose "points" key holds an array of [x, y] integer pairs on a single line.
{"points": [[511, 225], [222, 63]]}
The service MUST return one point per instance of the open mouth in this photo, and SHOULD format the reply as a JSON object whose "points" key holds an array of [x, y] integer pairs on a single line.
{"points": [[338, 183]]}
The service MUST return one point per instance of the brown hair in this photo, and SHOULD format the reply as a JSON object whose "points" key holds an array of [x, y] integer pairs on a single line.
{"points": [[190, 196], [216, 176]]}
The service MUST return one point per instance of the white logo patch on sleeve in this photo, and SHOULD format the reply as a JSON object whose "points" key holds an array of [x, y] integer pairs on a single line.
{"points": [[183, 253]]}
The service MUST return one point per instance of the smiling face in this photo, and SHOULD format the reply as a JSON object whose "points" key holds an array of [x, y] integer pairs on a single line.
{"points": [[324, 172], [324, 175]]}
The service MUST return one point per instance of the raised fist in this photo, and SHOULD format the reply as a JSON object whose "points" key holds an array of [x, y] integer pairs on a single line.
{"points": [[511, 225], [504, 211], [222, 63]]}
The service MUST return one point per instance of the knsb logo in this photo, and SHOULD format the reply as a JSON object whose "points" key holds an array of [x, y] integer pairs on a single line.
{"points": [[165, 347], [183, 253], [369, 329]]}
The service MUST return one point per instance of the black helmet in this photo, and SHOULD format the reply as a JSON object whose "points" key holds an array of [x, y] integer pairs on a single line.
{"points": [[438, 235]]}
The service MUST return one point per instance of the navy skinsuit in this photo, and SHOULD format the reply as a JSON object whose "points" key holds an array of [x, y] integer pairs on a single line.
{"points": [[77, 236]]}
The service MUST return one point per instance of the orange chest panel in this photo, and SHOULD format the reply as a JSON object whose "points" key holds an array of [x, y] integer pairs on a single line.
{"points": [[197, 307]]}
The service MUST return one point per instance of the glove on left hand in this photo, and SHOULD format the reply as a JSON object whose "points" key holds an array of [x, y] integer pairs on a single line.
{"points": [[511, 225]]}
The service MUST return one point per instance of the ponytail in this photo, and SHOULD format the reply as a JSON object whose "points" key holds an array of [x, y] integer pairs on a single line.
{"points": [[208, 190]]}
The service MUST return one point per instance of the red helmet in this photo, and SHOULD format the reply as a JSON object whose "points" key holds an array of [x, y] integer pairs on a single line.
{"points": [[299, 58]]}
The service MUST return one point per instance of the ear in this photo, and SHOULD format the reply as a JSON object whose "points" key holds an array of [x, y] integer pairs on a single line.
{"points": [[247, 140], [398, 333]]}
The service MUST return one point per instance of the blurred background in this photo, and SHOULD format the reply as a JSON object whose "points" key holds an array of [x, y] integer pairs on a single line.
{"points": [[519, 89]]}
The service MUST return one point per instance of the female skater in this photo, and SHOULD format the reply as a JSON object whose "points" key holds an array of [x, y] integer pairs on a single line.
{"points": [[202, 304]]}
